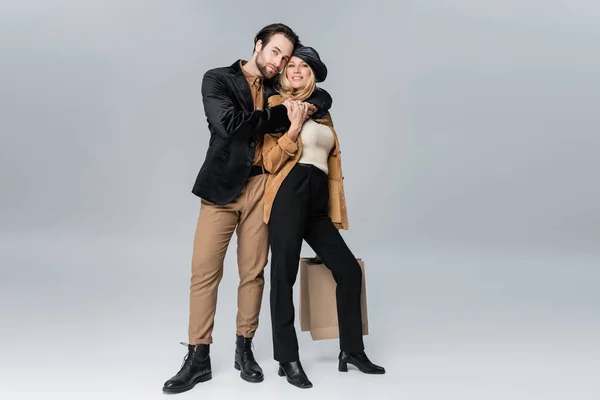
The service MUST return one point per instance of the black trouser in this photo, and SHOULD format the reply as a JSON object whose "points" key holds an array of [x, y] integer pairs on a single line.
{"points": [[300, 211]]}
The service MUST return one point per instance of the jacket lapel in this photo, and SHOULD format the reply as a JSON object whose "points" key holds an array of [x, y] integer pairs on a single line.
{"points": [[242, 89]]}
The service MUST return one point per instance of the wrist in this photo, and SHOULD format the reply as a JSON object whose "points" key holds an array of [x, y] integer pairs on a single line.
{"points": [[293, 132]]}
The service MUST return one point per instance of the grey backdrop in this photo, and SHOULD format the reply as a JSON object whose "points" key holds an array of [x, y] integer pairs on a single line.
{"points": [[470, 142]]}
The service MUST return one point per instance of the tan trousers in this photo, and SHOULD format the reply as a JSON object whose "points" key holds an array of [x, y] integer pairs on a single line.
{"points": [[216, 225]]}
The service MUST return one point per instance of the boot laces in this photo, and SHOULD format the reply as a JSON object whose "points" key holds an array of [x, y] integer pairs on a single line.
{"points": [[186, 358]]}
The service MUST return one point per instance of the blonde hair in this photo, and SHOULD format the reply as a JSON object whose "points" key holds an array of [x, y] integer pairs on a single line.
{"points": [[287, 91]]}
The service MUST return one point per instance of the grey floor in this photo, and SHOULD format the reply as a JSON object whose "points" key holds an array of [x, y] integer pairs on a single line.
{"points": [[94, 317]]}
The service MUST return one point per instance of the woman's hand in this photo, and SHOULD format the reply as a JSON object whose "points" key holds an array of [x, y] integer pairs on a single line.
{"points": [[297, 113]]}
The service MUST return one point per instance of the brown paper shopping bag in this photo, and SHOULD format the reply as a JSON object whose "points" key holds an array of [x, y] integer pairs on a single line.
{"points": [[318, 306]]}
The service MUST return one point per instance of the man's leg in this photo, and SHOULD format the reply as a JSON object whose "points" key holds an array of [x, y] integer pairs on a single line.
{"points": [[252, 254], [213, 233]]}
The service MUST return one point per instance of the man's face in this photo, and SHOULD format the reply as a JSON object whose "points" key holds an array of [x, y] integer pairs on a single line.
{"points": [[272, 57]]}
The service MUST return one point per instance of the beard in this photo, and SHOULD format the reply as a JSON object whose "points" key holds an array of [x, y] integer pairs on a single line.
{"points": [[262, 67]]}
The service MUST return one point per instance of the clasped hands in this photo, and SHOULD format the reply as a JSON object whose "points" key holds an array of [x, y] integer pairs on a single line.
{"points": [[299, 111]]}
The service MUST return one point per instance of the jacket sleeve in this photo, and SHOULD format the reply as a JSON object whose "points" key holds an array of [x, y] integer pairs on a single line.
{"points": [[229, 122], [277, 150], [322, 100]]}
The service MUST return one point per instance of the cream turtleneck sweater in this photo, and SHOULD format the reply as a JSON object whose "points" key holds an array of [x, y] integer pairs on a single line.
{"points": [[317, 142]]}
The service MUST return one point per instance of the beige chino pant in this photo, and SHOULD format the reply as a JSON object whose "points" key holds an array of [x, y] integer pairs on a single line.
{"points": [[215, 227]]}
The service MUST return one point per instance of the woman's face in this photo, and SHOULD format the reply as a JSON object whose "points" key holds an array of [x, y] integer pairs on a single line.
{"points": [[298, 72]]}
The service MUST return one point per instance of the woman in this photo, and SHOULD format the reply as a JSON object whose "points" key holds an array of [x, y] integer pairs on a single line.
{"points": [[304, 199]]}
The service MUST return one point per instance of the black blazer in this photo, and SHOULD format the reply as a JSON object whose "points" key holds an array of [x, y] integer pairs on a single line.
{"points": [[234, 128]]}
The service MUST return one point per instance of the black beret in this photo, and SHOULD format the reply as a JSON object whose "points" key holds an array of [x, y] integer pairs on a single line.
{"points": [[311, 57]]}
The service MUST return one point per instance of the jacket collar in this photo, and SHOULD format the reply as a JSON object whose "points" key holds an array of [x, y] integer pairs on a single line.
{"points": [[236, 69], [269, 88]]}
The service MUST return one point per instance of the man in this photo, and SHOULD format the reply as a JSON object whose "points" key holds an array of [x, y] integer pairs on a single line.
{"points": [[231, 184]]}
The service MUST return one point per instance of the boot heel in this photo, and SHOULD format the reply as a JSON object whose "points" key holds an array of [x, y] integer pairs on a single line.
{"points": [[205, 378], [280, 372], [237, 366], [343, 366]]}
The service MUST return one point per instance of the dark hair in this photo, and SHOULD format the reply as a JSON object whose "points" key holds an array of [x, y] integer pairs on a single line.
{"points": [[268, 31]]}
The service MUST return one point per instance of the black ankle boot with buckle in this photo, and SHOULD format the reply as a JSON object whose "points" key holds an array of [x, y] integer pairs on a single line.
{"points": [[196, 368], [244, 362]]}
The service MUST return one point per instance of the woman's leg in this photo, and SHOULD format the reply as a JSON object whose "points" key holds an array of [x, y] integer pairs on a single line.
{"points": [[327, 242], [286, 230]]}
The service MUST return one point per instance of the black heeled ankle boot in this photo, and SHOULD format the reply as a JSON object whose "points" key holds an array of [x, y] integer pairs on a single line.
{"points": [[360, 361], [245, 362], [196, 368], [295, 374]]}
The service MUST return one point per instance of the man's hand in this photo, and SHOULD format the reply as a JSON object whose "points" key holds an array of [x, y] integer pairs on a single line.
{"points": [[311, 108]]}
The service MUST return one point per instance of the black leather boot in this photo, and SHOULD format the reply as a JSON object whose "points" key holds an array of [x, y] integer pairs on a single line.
{"points": [[245, 362], [295, 374], [360, 361], [196, 368]]}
